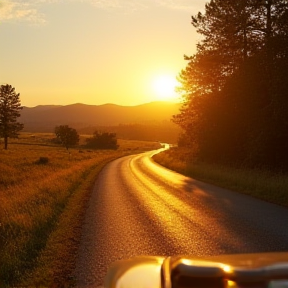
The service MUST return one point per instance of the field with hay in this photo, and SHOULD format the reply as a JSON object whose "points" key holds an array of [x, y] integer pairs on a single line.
{"points": [[43, 191]]}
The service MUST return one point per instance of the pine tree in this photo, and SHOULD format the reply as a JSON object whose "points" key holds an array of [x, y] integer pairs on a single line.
{"points": [[234, 88], [10, 108]]}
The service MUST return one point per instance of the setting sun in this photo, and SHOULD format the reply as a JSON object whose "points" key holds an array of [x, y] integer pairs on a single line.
{"points": [[164, 87]]}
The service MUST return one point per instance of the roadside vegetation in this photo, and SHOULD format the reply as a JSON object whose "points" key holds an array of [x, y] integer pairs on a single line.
{"points": [[235, 88], [43, 193], [259, 183], [234, 122]]}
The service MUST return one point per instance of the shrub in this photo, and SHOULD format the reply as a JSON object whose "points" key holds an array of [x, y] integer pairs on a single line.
{"points": [[102, 140], [42, 160]]}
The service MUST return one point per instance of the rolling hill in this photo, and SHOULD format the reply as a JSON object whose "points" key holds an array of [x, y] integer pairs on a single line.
{"points": [[79, 116]]}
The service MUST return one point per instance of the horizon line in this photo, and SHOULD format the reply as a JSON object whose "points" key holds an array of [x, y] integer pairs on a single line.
{"points": [[78, 103]]}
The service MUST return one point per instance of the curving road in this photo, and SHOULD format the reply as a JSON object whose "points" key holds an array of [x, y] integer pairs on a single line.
{"points": [[140, 208]]}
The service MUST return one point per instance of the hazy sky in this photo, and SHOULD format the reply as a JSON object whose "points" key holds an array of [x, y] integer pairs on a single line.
{"points": [[94, 51]]}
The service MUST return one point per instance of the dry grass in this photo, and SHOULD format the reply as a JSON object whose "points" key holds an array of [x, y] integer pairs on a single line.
{"points": [[35, 194], [257, 183]]}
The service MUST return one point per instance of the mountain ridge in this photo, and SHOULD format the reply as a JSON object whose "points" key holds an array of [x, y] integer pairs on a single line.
{"points": [[78, 115]]}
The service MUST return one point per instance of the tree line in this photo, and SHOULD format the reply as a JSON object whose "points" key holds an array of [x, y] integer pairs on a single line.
{"points": [[165, 131], [235, 87], [10, 107], [68, 137]]}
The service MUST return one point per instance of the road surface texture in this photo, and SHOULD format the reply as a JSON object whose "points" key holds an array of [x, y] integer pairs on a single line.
{"points": [[140, 208]]}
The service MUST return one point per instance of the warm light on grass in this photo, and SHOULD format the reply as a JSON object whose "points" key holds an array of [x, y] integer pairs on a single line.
{"points": [[258, 183], [34, 195]]}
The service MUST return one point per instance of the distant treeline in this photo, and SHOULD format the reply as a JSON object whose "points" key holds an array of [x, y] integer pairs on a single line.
{"points": [[163, 131], [235, 88], [167, 132]]}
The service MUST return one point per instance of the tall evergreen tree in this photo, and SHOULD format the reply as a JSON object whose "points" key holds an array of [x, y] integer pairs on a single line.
{"points": [[234, 93], [230, 32], [10, 108]]}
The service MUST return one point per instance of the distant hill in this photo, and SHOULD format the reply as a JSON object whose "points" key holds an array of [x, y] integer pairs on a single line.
{"points": [[45, 118], [43, 107]]}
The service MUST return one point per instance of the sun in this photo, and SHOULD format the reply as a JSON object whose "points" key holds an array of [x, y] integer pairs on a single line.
{"points": [[164, 87]]}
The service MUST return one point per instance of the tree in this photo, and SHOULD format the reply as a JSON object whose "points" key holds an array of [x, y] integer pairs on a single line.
{"points": [[231, 34], [10, 107], [234, 89], [67, 136], [102, 140]]}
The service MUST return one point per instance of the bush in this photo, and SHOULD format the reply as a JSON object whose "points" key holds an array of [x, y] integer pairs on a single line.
{"points": [[102, 140], [42, 160]]}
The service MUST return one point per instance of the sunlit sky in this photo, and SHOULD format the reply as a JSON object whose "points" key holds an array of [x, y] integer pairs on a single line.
{"points": [[125, 52]]}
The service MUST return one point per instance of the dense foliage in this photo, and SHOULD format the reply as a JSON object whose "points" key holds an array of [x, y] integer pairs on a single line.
{"points": [[10, 107], [102, 140], [235, 88], [67, 136]]}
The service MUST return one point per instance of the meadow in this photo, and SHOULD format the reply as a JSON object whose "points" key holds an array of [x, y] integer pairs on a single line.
{"points": [[43, 192], [259, 183]]}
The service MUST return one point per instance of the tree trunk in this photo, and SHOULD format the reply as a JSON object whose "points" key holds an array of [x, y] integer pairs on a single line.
{"points": [[5, 142]]}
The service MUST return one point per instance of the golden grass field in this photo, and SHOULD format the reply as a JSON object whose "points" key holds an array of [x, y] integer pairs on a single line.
{"points": [[41, 204]]}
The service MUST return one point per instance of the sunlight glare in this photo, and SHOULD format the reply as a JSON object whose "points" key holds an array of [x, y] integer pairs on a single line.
{"points": [[164, 87]]}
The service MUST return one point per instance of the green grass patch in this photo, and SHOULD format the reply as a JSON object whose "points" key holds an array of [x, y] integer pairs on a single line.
{"points": [[258, 183]]}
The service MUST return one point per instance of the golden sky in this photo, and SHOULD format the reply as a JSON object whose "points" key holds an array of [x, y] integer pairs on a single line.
{"points": [[126, 52]]}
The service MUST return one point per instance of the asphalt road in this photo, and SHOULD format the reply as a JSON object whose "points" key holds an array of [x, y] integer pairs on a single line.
{"points": [[140, 208]]}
